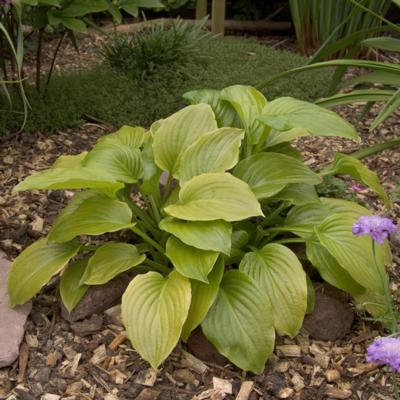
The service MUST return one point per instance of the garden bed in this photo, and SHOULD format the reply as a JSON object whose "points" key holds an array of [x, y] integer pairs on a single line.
{"points": [[61, 359]]}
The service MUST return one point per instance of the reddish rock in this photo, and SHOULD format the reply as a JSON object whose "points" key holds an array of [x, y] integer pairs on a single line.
{"points": [[97, 299], [332, 317], [201, 348], [12, 320]]}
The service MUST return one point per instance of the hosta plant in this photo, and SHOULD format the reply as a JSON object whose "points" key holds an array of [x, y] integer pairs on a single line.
{"points": [[217, 200]]}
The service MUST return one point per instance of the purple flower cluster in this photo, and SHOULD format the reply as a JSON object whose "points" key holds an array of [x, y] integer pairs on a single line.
{"points": [[5, 2], [385, 351], [377, 227]]}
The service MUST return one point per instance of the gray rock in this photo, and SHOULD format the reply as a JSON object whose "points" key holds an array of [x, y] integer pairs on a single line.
{"points": [[12, 320], [97, 299], [332, 317]]}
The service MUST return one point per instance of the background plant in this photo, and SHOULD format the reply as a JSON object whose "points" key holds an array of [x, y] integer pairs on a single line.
{"points": [[318, 23], [143, 53], [380, 83], [111, 96], [211, 246]]}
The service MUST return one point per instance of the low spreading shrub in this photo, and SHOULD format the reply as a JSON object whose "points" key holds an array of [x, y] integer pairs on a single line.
{"points": [[117, 99], [211, 244]]}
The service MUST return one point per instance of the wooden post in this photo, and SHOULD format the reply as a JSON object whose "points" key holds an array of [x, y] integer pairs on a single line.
{"points": [[201, 9], [218, 17]]}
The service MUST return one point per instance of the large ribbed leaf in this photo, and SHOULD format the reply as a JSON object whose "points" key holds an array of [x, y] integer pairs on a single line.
{"points": [[224, 112], [69, 178], [189, 261], [154, 310], [123, 163], [354, 254], [341, 206], [302, 219], [93, 216], [248, 102], [268, 173], [175, 133], [203, 296], [288, 113], [330, 270], [278, 272], [69, 161], [216, 151], [204, 235], [213, 196], [347, 165], [71, 291], [298, 193], [130, 136], [240, 322], [110, 260], [35, 266]]}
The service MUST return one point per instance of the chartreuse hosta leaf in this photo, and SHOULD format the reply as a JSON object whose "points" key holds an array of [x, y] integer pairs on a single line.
{"points": [[189, 261], [280, 275], [248, 103], [203, 296], [123, 163], [240, 322], [133, 137], [69, 161], [287, 113], [35, 266], [204, 235], [175, 133], [268, 173], [216, 151], [375, 303], [340, 206], [93, 216], [71, 291], [347, 165], [214, 196], [154, 310], [110, 260], [354, 254], [330, 270], [302, 219], [298, 193], [69, 178], [225, 114]]}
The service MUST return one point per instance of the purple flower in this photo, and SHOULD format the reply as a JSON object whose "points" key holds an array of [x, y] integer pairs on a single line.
{"points": [[385, 351], [377, 227], [5, 2], [358, 188]]}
